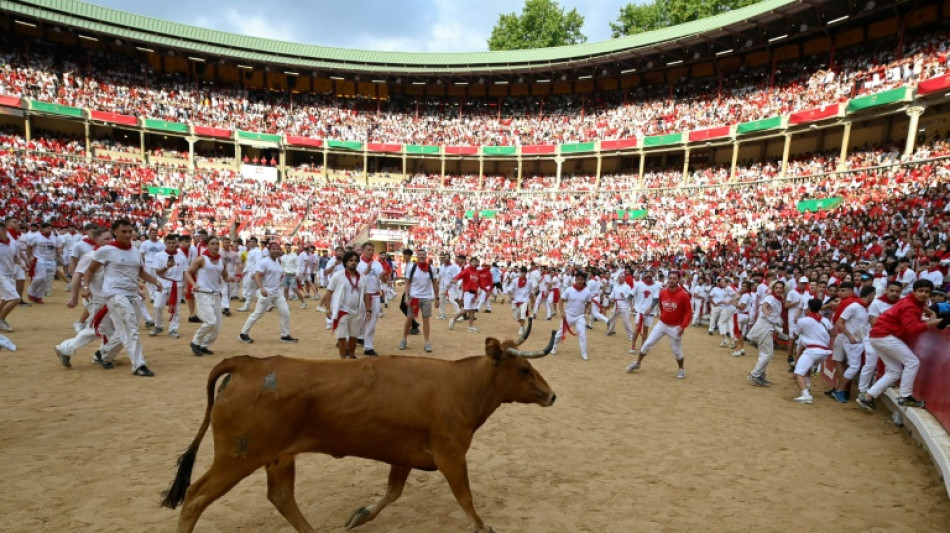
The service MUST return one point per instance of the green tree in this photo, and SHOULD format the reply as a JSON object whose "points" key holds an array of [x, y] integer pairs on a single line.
{"points": [[662, 13], [542, 23]]}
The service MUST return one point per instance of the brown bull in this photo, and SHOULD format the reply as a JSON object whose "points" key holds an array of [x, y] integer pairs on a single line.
{"points": [[410, 412]]}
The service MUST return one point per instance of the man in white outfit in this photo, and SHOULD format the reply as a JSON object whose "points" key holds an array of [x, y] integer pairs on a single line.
{"points": [[208, 273], [123, 268], [251, 258], [43, 248], [169, 266], [267, 277], [574, 304], [371, 271], [346, 292]]}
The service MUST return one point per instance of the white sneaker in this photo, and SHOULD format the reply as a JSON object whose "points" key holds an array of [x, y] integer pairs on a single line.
{"points": [[681, 374], [521, 331], [452, 324], [242, 309], [473, 329], [633, 367], [633, 351], [804, 399], [4, 326], [584, 357], [7, 344], [738, 353], [303, 305], [724, 342], [732, 344], [78, 326], [321, 309]]}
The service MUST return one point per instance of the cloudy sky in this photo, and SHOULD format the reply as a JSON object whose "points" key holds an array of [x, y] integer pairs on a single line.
{"points": [[406, 25]]}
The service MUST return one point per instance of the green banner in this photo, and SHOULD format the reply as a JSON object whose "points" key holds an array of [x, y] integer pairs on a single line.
{"points": [[819, 204], [421, 149], [663, 140], [900, 94], [55, 109], [633, 214], [259, 137], [499, 150], [175, 127], [764, 124], [345, 145], [484, 213], [573, 148], [164, 191]]}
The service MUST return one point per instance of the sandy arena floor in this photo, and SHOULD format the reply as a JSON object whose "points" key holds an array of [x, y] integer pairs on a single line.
{"points": [[88, 450]]}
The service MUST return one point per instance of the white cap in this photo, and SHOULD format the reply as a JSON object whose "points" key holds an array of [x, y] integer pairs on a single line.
{"points": [[803, 279]]}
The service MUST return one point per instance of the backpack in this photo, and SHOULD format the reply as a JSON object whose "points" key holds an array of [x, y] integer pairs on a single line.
{"points": [[412, 272]]}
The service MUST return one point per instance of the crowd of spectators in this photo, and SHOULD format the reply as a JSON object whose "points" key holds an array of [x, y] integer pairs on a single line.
{"points": [[117, 83]]}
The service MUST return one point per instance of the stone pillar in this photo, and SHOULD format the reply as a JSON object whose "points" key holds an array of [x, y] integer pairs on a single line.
{"points": [[282, 164], [443, 168], [643, 161], [785, 152], [237, 157], [27, 129], [520, 164], [685, 178], [405, 167], [914, 112], [365, 166], [481, 170], [191, 153], [735, 160], [845, 139], [142, 146], [600, 164], [88, 140], [559, 160], [326, 162]]}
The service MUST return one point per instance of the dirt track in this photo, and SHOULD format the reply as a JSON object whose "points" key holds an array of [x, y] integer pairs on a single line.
{"points": [[88, 450]]}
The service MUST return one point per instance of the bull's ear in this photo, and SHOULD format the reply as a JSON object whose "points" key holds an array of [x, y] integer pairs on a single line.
{"points": [[493, 349]]}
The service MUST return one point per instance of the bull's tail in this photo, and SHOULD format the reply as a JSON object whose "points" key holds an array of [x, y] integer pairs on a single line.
{"points": [[186, 462]]}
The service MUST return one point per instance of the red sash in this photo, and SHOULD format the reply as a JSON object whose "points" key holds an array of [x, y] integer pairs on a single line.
{"points": [[557, 294], [566, 327], [97, 319], [336, 321]]}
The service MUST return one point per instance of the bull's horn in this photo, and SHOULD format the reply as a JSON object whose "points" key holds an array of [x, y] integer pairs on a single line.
{"points": [[537, 353], [527, 332]]}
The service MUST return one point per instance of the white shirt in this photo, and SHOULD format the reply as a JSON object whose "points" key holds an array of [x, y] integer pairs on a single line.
{"points": [[150, 249], [271, 274], [174, 273], [575, 302], [251, 260], [878, 307], [520, 295], [814, 333], [44, 248], [373, 272], [746, 301], [8, 254], [121, 270], [289, 263], [80, 249], [420, 285], [717, 295], [644, 295], [346, 297], [621, 295], [908, 277], [775, 307], [95, 286], [447, 274], [855, 318]]}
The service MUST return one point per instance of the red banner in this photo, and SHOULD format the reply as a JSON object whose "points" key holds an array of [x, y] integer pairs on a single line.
{"points": [[114, 118], [220, 133], [538, 149], [709, 133], [461, 150], [933, 378], [813, 115], [304, 141], [10, 101], [383, 147], [619, 144], [940, 83]]}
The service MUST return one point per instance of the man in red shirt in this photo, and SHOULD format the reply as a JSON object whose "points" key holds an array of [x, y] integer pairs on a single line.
{"points": [[676, 312], [470, 283], [485, 286], [889, 338]]}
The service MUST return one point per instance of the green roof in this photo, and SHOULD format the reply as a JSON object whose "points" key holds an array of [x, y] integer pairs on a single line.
{"points": [[110, 22]]}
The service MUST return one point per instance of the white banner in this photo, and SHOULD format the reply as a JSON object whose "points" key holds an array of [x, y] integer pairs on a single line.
{"points": [[388, 235], [259, 173]]}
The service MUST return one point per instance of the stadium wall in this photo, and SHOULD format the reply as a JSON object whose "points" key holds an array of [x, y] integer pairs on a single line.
{"points": [[933, 379]]}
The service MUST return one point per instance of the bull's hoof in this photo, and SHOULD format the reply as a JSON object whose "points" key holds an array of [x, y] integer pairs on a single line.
{"points": [[358, 518]]}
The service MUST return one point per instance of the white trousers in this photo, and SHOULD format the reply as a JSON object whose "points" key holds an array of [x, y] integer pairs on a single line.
{"points": [[725, 320], [697, 310], [368, 322], [623, 314], [208, 308], [659, 330], [87, 335], [279, 302], [761, 334], [714, 317], [900, 363], [869, 368], [124, 311], [43, 275], [579, 325], [162, 303]]}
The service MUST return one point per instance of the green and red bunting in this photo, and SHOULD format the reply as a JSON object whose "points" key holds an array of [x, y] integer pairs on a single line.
{"points": [[113, 118], [461, 150], [304, 141], [814, 115], [709, 133], [384, 147], [534, 149], [940, 83], [619, 144], [219, 133]]}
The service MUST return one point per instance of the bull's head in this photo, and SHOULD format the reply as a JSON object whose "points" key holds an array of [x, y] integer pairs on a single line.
{"points": [[518, 381]]}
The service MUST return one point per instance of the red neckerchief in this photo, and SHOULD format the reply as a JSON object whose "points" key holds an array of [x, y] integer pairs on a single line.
{"points": [[423, 266], [578, 287], [88, 241], [816, 316], [15, 233], [353, 284], [522, 281], [120, 246], [843, 305], [884, 299], [213, 257]]}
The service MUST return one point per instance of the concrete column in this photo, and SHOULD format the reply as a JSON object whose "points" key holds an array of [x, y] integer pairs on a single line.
{"points": [[443, 168], [785, 152], [560, 163], [600, 162], [521, 172], [27, 129], [685, 178], [643, 161], [845, 140], [914, 112], [237, 157], [481, 170], [326, 163], [735, 160], [405, 166], [88, 140], [142, 146], [365, 167], [191, 153], [282, 164]]}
